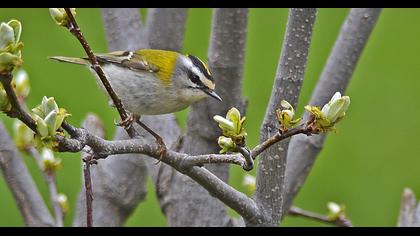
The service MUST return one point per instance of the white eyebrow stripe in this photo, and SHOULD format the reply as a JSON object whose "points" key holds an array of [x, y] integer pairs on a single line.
{"points": [[130, 55]]}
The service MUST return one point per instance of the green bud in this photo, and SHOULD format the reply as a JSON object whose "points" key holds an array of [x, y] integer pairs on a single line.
{"points": [[335, 211], [226, 144], [232, 126], [336, 108], [48, 105], [7, 36], [24, 136], [4, 100], [59, 15], [224, 124], [41, 126], [249, 183], [21, 83], [63, 202], [10, 54], [285, 117], [50, 120], [49, 162], [8, 61]]}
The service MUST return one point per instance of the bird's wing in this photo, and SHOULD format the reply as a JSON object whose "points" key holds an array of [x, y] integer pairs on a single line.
{"points": [[128, 59]]}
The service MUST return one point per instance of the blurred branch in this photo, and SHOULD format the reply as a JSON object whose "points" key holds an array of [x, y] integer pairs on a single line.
{"points": [[288, 81], [124, 29], [165, 28], [409, 211], [50, 179], [341, 221], [335, 77], [24, 190]]}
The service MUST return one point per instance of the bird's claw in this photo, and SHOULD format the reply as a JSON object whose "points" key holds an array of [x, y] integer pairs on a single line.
{"points": [[162, 149]]}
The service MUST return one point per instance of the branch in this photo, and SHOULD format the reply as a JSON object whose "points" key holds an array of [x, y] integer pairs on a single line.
{"points": [[75, 30], [335, 77], [226, 59], [29, 201], [50, 180], [124, 30], [269, 191], [341, 221], [165, 28]]}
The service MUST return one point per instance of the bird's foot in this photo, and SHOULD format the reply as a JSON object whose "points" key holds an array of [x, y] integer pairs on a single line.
{"points": [[162, 148], [128, 122]]}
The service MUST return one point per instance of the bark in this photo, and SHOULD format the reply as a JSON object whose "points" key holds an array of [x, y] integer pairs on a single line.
{"points": [[124, 29], [191, 204], [288, 82], [335, 77], [20, 182]]}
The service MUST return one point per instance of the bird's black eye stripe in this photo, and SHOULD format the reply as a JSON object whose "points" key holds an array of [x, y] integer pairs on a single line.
{"points": [[195, 79], [198, 63]]}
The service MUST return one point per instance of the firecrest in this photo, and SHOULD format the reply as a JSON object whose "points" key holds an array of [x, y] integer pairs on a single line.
{"points": [[152, 82]]}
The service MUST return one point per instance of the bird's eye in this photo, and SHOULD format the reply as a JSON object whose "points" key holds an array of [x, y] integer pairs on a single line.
{"points": [[195, 79]]}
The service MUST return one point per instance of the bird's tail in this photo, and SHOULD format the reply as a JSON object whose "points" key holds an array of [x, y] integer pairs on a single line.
{"points": [[72, 60]]}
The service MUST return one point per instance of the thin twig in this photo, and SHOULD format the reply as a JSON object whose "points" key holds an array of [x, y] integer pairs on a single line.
{"points": [[16, 111], [341, 221], [52, 186], [87, 161], [75, 30]]}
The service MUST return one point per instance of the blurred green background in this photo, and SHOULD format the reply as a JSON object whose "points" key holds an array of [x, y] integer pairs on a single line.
{"points": [[365, 165]]}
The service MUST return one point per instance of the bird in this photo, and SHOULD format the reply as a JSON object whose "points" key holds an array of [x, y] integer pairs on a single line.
{"points": [[153, 81]]}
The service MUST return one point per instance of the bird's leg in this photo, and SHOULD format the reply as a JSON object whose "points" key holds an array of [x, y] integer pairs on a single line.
{"points": [[128, 122], [159, 140]]}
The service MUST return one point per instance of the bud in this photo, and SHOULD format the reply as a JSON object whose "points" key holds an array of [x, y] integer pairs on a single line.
{"points": [[59, 15], [41, 126], [249, 182], [285, 117], [4, 100], [21, 83], [336, 108], [331, 113], [49, 162], [335, 211], [232, 126], [226, 144], [10, 54], [24, 136], [63, 202]]}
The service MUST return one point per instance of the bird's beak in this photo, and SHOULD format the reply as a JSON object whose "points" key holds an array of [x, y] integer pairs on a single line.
{"points": [[213, 94]]}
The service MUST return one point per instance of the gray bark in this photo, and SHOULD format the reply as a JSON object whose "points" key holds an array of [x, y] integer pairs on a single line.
{"points": [[29, 201], [288, 82], [335, 77], [191, 204], [165, 28], [409, 210], [123, 28]]}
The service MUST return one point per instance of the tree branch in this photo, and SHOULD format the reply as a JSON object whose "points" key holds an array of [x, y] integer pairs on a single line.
{"points": [[226, 58], [269, 191], [28, 199], [341, 221], [124, 29], [335, 77], [75, 30], [50, 180]]}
